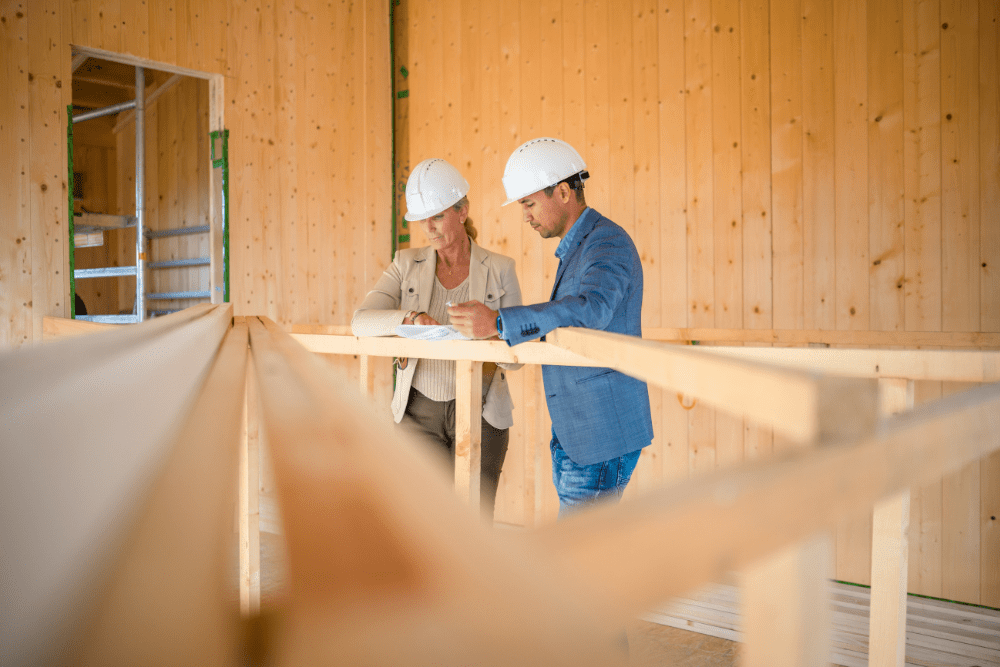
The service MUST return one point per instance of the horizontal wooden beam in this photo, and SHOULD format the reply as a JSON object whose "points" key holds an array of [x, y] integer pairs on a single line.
{"points": [[807, 337], [674, 539], [174, 563], [947, 365], [64, 327], [474, 350], [798, 404], [87, 422]]}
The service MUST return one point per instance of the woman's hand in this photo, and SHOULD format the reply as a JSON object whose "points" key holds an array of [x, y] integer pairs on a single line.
{"points": [[422, 319]]}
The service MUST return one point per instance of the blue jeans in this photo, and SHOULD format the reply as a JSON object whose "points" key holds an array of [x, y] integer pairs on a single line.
{"points": [[579, 486]]}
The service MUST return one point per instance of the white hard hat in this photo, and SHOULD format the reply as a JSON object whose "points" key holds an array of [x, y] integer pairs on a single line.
{"points": [[433, 186], [538, 164]]}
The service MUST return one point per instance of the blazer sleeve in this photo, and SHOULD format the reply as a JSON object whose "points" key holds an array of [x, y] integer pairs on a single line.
{"points": [[379, 313], [603, 272]]}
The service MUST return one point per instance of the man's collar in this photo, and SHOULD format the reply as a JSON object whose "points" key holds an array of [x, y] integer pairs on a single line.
{"points": [[575, 232]]}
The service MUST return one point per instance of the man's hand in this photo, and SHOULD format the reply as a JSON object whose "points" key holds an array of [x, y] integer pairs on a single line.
{"points": [[474, 319]]}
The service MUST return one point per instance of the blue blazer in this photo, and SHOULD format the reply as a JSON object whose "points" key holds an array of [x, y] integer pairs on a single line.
{"points": [[597, 413]]}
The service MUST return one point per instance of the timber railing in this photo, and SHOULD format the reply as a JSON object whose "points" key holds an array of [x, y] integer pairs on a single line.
{"points": [[119, 451]]}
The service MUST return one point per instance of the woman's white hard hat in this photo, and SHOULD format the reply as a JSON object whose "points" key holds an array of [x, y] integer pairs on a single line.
{"points": [[538, 164], [433, 186]]}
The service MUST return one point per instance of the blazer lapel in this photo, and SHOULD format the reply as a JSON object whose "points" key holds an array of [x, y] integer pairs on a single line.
{"points": [[427, 265], [587, 220], [478, 273]]}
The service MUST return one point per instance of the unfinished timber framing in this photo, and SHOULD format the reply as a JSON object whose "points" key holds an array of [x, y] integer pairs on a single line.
{"points": [[379, 549]]}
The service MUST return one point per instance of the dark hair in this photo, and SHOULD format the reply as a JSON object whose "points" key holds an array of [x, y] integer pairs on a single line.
{"points": [[470, 227], [575, 182]]}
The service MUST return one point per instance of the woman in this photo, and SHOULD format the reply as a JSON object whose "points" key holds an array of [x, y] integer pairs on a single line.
{"points": [[415, 290]]}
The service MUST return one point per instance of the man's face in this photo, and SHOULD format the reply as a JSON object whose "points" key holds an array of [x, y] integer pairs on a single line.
{"points": [[549, 216]]}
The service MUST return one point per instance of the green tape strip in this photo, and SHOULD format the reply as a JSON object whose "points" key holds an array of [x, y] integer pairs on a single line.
{"points": [[223, 136]]}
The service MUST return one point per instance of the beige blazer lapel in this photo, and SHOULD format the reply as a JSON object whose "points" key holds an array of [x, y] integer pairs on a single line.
{"points": [[478, 272], [426, 264]]}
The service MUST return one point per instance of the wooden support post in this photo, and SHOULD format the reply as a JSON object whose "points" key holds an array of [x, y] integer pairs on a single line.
{"points": [[786, 610], [249, 510], [468, 429], [786, 606], [890, 550], [367, 376]]}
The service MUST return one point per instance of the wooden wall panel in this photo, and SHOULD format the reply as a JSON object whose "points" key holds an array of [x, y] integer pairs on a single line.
{"points": [[16, 304], [48, 71], [269, 186]]}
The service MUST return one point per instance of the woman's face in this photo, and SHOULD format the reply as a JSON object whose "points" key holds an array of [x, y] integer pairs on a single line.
{"points": [[446, 230]]}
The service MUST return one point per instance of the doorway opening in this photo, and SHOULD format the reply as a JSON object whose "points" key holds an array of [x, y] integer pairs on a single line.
{"points": [[147, 234]]}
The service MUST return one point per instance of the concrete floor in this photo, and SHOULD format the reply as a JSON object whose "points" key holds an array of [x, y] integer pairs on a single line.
{"points": [[650, 644]]}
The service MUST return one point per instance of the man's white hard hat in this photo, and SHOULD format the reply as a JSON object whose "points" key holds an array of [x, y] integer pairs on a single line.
{"points": [[538, 164], [433, 186]]}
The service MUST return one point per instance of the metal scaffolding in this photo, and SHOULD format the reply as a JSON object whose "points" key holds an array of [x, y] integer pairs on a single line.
{"points": [[90, 222]]}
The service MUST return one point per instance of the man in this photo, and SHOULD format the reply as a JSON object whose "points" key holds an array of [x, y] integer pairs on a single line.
{"points": [[600, 417]]}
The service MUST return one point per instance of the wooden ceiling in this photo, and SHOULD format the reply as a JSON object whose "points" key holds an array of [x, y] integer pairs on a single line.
{"points": [[100, 83]]}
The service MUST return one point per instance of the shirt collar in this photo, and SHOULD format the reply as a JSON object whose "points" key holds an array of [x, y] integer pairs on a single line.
{"points": [[570, 240]]}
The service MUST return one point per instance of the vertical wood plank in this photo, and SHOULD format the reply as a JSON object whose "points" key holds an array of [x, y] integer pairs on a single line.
{"points": [[885, 150], [269, 279], [135, 28], [989, 158], [960, 268], [698, 114], [922, 164], [16, 238], [378, 129], [818, 211], [850, 49], [163, 30], [106, 23], [49, 63], [890, 551], [786, 164], [81, 32], [293, 254], [672, 187], [598, 104], [622, 101], [756, 145], [726, 164]]}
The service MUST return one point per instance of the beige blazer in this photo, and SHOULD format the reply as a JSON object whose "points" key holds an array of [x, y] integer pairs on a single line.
{"points": [[407, 285]]}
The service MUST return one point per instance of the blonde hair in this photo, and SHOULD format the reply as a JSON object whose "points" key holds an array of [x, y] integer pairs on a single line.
{"points": [[470, 227]]}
